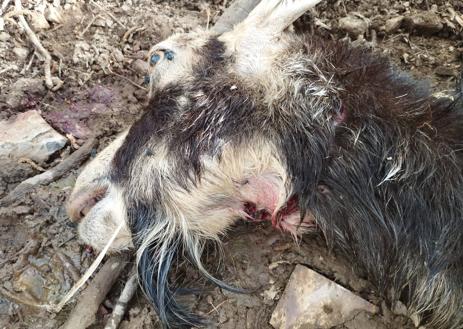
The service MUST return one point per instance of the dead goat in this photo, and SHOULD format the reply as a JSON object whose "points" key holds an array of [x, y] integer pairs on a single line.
{"points": [[263, 124]]}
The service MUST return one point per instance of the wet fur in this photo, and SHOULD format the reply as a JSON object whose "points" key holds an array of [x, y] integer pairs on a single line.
{"points": [[385, 184]]}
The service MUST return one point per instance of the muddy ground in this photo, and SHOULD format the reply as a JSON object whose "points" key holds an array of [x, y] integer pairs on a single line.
{"points": [[98, 50]]}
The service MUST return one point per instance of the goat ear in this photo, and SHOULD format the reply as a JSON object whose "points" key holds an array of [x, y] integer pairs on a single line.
{"points": [[277, 15]]}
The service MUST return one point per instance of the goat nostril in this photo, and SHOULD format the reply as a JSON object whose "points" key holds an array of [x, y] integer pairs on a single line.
{"points": [[87, 207], [81, 204]]}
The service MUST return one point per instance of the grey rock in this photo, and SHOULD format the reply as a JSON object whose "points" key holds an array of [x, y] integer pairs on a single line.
{"points": [[118, 55], [446, 71], [393, 24], [21, 52], [353, 24], [83, 54], [54, 14], [38, 21], [140, 66], [31, 281], [4, 36], [312, 301], [426, 22], [20, 88], [29, 135], [5, 307]]}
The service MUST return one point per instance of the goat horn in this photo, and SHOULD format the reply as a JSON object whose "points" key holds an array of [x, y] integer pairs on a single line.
{"points": [[235, 13]]}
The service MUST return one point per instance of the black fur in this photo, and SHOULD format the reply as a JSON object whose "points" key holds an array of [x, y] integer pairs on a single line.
{"points": [[405, 232]]}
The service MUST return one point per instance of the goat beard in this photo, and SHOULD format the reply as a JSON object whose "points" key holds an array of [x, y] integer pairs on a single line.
{"points": [[162, 247]]}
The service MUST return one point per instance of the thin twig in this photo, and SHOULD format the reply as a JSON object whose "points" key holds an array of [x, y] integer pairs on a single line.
{"points": [[216, 308], [109, 14], [52, 174], [127, 33], [52, 83], [31, 163], [208, 12], [28, 65], [127, 293], [127, 79], [130, 32], [81, 34]]}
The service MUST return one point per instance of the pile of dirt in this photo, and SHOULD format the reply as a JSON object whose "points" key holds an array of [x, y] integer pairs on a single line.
{"points": [[98, 51]]}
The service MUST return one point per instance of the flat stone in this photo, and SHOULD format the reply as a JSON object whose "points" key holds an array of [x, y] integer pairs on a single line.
{"points": [[426, 22], [312, 301], [31, 281], [29, 136]]}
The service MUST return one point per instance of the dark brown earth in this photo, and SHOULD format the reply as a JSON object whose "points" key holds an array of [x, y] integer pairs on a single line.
{"points": [[102, 66]]}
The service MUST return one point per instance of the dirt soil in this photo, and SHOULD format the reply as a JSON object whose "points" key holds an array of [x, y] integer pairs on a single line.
{"points": [[98, 50]]}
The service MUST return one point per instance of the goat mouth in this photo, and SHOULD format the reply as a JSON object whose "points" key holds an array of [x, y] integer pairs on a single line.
{"points": [[287, 218]]}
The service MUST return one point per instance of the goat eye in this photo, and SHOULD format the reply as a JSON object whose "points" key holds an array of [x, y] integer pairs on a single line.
{"points": [[169, 55], [155, 58]]}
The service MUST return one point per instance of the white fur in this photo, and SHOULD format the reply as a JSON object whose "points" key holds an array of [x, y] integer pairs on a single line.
{"points": [[256, 44]]}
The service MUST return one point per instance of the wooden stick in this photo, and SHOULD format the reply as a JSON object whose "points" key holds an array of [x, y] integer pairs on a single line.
{"points": [[127, 293], [84, 314], [52, 174]]}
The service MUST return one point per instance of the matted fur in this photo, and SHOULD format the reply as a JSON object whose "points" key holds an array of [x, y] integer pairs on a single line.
{"points": [[365, 149]]}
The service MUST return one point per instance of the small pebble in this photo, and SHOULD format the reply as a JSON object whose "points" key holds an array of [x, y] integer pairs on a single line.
{"points": [[4, 36], [353, 25], [426, 22], [393, 24]]}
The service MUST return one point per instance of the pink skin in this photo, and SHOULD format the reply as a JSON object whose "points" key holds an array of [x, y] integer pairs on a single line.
{"points": [[261, 194], [341, 115], [260, 197]]}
